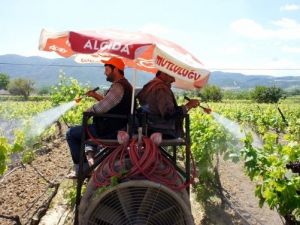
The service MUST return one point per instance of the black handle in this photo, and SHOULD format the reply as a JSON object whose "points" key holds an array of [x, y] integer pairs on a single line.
{"points": [[96, 89], [187, 98]]}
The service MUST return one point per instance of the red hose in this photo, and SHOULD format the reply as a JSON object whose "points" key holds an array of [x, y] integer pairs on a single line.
{"points": [[146, 161], [96, 141]]}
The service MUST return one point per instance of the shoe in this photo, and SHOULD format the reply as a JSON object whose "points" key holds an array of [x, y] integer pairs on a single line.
{"points": [[72, 175]]}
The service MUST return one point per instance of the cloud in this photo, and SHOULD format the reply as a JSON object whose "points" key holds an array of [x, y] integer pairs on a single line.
{"points": [[230, 50], [290, 7], [156, 29], [185, 40], [166, 33], [285, 29], [281, 67], [276, 63], [291, 49], [264, 66]]}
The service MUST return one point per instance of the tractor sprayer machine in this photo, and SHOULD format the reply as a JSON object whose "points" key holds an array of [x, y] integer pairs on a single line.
{"points": [[136, 178]]}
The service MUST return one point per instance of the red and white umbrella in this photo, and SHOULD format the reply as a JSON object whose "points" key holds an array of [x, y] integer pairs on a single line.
{"points": [[138, 50]]}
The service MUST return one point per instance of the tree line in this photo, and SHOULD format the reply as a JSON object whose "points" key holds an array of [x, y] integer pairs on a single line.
{"points": [[19, 86], [210, 93], [259, 94]]}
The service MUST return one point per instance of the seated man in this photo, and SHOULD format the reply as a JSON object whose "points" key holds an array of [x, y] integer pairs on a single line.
{"points": [[157, 99], [116, 101]]}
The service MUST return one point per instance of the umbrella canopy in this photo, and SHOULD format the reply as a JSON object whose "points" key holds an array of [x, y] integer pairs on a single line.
{"points": [[138, 50]]}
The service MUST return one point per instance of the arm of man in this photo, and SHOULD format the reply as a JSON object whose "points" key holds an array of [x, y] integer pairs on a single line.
{"points": [[166, 106], [95, 95], [111, 99], [192, 103]]}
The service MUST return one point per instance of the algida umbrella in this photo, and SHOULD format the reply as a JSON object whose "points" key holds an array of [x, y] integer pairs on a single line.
{"points": [[138, 50]]}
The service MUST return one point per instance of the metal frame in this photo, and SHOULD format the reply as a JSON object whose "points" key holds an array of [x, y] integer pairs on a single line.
{"points": [[81, 173], [185, 141]]}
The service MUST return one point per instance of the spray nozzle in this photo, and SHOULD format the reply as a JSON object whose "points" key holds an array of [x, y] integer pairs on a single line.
{"points": [[95, 89], [205, 109], [78, 99]]}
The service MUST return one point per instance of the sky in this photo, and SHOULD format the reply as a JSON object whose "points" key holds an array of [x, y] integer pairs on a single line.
{"points": [[247, 36]]}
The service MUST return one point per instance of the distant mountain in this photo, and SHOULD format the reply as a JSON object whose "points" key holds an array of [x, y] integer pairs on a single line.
{"points": [[241, 81], [45, 72]]}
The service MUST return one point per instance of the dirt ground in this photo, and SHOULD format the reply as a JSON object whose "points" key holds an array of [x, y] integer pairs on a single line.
{"points": [[26, 190], [237, 191]]}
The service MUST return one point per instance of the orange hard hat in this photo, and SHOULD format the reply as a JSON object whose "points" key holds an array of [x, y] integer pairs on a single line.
{"points": [[116, 62]]}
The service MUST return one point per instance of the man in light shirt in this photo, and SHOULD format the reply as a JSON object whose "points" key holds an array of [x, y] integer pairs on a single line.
{"points": [[117, 100]]}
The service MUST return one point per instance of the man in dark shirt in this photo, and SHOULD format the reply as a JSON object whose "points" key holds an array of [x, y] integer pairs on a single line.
{"points": [[157, 99], [116, 101]]}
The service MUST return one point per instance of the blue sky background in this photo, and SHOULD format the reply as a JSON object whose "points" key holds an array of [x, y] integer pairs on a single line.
{"points": [[233, 35]]}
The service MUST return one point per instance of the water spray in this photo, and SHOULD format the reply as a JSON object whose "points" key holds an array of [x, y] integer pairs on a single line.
{"points": [[205, 109], [235, 129], [78, 99], [43, 120]]}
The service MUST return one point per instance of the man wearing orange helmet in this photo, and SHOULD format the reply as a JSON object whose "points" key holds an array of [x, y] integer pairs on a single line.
{"points": [[117, 100]]}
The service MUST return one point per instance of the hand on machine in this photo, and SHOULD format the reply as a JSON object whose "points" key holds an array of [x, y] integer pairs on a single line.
{"points": [[193, 103], [90, 93], [90, 158]]}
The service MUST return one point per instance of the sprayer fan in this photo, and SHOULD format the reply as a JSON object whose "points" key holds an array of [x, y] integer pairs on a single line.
{"points": [[137, 203]]}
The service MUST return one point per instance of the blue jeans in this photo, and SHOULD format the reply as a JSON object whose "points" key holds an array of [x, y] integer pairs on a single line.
{"points": [[73, 137]]}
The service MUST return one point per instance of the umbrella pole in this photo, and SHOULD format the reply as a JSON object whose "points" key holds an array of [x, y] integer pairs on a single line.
{"points": [[132, 113], [133, 91]]}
